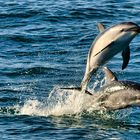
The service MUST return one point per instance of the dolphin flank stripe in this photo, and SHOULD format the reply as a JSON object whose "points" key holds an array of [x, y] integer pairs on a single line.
{"points": [[104, 48]]}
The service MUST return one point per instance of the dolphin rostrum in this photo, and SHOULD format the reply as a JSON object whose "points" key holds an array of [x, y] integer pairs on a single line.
{"points": [[107, 44]]}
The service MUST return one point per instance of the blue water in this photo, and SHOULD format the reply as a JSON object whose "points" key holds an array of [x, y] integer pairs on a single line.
{"points": [[44, 46]]}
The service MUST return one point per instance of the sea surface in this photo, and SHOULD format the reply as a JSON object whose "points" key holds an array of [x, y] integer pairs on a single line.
{"points": [[43, 47]]}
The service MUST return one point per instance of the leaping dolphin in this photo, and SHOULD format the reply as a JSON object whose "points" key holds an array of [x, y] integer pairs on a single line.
{"points": [[107, 44]]}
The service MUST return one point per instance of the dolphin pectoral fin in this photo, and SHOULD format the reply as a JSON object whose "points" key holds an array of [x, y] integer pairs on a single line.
{"points": [[101, 27], [76, 89], [109, 75], [126, 57]]}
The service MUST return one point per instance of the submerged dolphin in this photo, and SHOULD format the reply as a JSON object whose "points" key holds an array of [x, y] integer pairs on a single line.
{"points": [[107, 44], [118, 94], [113, 96]]}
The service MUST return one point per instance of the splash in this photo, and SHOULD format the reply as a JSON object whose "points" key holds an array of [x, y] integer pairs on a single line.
{"points": [[63, 102], [71, 103], [59, 102]]}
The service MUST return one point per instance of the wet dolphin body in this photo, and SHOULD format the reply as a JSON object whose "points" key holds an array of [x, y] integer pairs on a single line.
{"points": [[107, 44], [114, 95], [118, 94]]}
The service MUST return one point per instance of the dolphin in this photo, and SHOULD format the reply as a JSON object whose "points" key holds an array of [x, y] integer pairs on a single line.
{"points": [[118, 94], [108, 43], [114, 95]]}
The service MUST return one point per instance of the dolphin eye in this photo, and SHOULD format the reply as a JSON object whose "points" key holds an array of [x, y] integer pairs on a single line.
{"points": [[121, 30]]}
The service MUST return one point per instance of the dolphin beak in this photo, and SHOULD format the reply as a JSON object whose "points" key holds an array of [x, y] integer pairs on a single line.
{"points": [[138, 30], [135, 29]]}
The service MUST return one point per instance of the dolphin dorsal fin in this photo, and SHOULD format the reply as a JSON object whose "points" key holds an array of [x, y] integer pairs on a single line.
{"points": [[101, 27], [126, 57], [109, 75]]}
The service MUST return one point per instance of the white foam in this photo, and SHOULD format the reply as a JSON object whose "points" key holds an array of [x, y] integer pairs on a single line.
{"points": [[59, 102]]}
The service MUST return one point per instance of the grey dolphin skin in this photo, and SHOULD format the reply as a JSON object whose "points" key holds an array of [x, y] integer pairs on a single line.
{"points": [[114, 95], [118, 94], [108, 43]]}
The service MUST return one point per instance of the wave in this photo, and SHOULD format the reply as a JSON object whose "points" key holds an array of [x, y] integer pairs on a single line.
{"points": [[28, 71]]}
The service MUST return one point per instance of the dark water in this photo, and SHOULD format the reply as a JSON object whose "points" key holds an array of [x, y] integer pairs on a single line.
{"points": [[43, 46]]}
